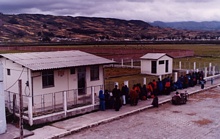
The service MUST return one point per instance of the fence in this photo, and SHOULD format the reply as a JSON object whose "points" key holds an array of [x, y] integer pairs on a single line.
{"points": [[211, 68], [183, 67], [53, 102], [126, 63]]}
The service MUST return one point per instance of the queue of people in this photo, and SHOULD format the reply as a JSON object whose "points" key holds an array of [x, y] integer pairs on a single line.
{"points": [[118, 97]]}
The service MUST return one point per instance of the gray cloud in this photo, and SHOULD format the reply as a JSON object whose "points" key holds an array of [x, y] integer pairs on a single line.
{"points": [[193, 1], [147, 10]]}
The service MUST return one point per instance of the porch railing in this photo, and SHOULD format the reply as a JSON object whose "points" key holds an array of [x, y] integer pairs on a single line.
{"points": [[44, 104]]}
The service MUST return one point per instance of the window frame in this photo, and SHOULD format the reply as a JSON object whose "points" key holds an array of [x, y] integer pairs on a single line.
{"points": [[47, 78], [8, 72], [161, 62], [94, 73], [72, 70]]}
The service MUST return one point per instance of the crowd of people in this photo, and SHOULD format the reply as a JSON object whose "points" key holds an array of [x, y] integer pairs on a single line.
{"points": [[118, 97]]}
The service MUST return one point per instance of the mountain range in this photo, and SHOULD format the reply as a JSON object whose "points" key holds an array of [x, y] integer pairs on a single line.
{"points": [[190, 25], [35, 28]]}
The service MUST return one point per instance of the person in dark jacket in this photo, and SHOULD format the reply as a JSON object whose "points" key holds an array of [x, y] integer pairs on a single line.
{"points": [[155, 102], [102, 100], [107, 99], [124, 93], [160, 86], [202, 82], [117, 98]]}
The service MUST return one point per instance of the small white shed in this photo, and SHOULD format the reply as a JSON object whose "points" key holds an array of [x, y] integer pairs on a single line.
{"points": [[156, 64]]}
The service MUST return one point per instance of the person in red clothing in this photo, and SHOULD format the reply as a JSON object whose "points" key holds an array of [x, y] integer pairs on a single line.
{"points": [[149, 90], [154, 87], [133, 96]]}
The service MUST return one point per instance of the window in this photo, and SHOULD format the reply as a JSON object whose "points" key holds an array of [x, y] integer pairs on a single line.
{"points": [[48, 78], [8, 72], [94, 73], [72, 70], [161, 62]]}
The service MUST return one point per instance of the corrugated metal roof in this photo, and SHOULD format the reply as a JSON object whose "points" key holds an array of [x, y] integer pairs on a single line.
{"points": [[153, 56], [56, 59]]}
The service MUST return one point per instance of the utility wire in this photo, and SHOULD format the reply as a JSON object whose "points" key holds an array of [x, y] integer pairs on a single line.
{"points": [[16, 80]]}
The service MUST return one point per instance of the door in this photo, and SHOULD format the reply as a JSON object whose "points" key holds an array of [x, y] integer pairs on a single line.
{"points": [[167, 66], [153, 66], [81, 74]]}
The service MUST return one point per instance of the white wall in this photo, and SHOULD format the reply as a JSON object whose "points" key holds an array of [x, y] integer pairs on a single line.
{"points": [[2, 103], [66, 82], [161, 67], [17, 72], [145, 66]]}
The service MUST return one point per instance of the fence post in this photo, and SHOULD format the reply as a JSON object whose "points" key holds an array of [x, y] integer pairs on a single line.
{"points": [[93, 96], [194, 66], [132, 63], [30, 111], [126, 83], [175, 76], [14, 105], [213, 70], [205, 72], [65, 103], [112, 65], [145, 81], [20, 108], [116, 83], [122, 62], [210, 68]]}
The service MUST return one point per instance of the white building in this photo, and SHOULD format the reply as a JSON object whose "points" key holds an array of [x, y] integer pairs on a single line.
{"points": [[156, 64], [55, 85]]}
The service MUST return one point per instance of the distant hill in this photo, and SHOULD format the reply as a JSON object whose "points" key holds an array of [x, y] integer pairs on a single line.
{"points": [[191, 25], [29, 28]]}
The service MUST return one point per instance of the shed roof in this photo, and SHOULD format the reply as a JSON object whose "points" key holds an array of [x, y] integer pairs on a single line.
{"points": [[154, 56], [56, 59]]}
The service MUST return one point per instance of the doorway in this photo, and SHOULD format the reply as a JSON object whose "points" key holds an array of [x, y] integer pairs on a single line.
{"points": [[167, 66], [81, 74], [153, 66]]}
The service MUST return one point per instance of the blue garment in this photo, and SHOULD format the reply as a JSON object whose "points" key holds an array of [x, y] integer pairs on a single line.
{"points": [[101, 100]]}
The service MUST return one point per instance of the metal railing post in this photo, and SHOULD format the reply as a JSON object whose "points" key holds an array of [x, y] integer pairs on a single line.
{"points": [[65, 103], [93, 95], [30, 111]]}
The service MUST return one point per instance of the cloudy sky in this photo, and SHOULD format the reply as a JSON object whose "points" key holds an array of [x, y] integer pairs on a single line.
{"points": [[146, 10]]}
